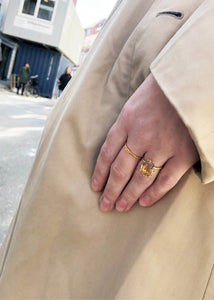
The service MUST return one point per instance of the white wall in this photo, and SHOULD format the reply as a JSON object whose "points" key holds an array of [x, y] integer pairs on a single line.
{"points": [[63, 32], [72, 36], [3, 7]]}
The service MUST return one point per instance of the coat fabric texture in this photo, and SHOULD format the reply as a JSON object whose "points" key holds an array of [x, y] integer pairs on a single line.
{"points": [[60, 245]]}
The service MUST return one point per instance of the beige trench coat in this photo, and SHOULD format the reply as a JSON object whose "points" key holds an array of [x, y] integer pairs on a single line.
{"points": [[60, 245]]}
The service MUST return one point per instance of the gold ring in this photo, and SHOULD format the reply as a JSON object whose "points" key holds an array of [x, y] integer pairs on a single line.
{"points": [[128, 150], [148, 167]]}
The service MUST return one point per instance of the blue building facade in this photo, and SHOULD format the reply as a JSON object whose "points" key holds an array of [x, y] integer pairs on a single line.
{"points": [[46, 63]]}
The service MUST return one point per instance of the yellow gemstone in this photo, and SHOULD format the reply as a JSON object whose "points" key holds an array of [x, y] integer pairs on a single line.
{"points": [[147, 168]]}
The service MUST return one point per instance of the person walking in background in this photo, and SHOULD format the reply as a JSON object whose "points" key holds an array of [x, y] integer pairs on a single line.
{"points": [[64, 79], [23, 77]]}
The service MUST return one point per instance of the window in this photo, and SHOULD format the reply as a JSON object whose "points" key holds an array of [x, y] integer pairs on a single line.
{"points": [[46, 9], [29, 7], [42, 9]]}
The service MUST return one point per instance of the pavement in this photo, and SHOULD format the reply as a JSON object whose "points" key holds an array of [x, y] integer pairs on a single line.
{"points": [[22, 120]]}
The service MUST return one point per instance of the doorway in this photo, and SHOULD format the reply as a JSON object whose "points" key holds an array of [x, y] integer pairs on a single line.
{"points": [[5, 62]]}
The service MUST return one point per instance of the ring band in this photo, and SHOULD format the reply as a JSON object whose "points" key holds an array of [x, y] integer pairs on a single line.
{"points": [[148, 167], [128, 150]]}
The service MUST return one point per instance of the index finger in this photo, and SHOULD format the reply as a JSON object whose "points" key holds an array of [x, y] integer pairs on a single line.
{"points": [[114, 142]]}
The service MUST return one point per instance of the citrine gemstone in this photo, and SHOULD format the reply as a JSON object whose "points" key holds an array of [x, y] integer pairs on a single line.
{"points": [[147, 168]]}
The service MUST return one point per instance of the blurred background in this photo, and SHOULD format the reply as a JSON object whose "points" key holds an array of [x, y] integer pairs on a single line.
{"points": [[53, 37], [50, 35]]}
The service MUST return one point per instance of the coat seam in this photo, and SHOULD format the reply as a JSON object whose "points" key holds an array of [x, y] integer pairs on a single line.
{"points": [[133, 32], [9, 241], [208, 281], [132, 66]]}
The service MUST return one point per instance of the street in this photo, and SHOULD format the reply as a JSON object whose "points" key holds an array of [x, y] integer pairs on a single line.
{"points": [[22, 120]]}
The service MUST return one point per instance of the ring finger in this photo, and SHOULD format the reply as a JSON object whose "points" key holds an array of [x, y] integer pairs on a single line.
{"points": [[144, 175]]}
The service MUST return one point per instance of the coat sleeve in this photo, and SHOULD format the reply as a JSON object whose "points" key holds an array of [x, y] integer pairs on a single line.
{"points": [[184, 70]]}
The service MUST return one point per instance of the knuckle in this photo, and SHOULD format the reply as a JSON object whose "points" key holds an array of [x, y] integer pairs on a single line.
{"points": [[166, 181], [99, 174], [126, 114], [155, 194], [110, 135], [117, 172], [105, 154], [138, 177], [111, 194], [130, 196]]}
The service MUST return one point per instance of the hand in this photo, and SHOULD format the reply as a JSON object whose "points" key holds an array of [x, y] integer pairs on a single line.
{"points": [[151, 128]]}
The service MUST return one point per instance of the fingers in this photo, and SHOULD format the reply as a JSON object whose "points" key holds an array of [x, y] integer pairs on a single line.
{"points": [[126, 183], [134, 190], [120, 173], [137, 185], [166, 180], [108, 152]]}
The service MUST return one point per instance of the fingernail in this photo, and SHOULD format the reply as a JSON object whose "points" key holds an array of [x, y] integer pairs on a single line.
{"points": [[94, 185], [121, 205], [105, 204], [145, 201]]}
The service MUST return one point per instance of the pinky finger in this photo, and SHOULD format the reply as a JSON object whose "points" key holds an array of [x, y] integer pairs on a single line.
{"points": [[165, 181]]}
